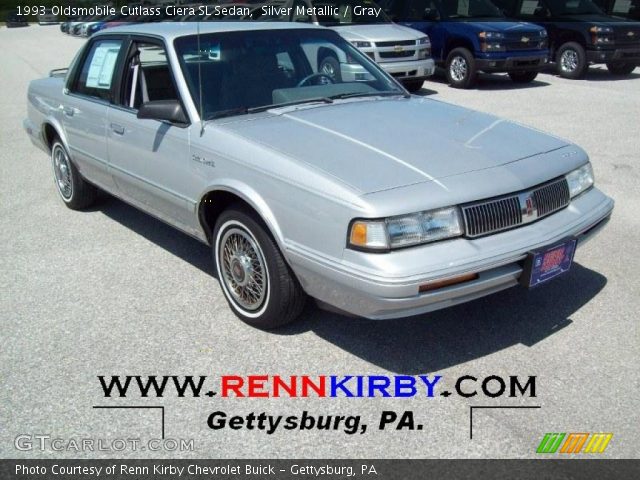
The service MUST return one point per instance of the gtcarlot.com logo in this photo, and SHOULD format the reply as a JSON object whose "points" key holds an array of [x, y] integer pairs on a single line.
{"points": [[574, 443]]}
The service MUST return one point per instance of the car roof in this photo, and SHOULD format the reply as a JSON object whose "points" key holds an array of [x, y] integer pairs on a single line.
{"points": [[172, 30]]}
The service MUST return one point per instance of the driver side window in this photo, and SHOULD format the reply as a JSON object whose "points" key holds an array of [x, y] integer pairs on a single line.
{"points": [[147, 76]]}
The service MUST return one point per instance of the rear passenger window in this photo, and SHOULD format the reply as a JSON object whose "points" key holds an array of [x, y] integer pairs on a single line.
{"points": [[98, 71]]}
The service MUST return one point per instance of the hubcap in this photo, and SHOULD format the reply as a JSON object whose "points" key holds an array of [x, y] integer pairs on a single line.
{"points": [[458, 69], [243, 269], [569, 60], [62, 172]]}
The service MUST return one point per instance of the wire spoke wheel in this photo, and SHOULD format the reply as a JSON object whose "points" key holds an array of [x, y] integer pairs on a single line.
{"points": [[243, 269], [62, 172]]}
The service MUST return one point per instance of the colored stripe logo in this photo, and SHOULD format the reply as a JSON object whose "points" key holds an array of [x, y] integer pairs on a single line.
{"points": [[574, 442]]}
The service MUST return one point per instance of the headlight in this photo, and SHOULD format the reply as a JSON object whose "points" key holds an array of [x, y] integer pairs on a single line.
{"points": [[491, 35], [580, 180], [423, 41], [359, 44], [596, 29], [543, 34], [406, 230]]}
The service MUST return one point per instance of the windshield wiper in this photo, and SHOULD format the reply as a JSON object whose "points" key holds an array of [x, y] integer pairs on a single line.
{"points": [[341, 96], [228, 113], [290, 104]]}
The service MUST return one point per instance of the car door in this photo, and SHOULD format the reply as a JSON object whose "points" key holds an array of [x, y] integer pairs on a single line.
{"points": [[150, 158], [89, 91]]}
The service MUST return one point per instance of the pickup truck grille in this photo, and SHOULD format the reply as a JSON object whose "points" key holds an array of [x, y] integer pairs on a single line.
{"points": [[495, 215], [401, 54], [523, 41], [627, 37], [404, 43]]}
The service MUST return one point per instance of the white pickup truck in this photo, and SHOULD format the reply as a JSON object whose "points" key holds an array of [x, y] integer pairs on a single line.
{"points": [[403, 52]]}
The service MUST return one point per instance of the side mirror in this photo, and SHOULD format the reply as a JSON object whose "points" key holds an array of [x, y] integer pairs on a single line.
{"points": [[163, 110], [431, 14]]}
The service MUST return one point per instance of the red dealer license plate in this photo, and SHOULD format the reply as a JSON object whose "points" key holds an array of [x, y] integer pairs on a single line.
{"points": [[547, 263]]}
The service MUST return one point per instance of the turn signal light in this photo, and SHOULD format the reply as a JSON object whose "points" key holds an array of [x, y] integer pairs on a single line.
{"points": [[427, 287]]}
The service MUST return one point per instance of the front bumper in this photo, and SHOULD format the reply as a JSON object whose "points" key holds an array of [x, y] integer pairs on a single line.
{"points": [[389, 286], [410, 70], [533, 63], [626, 55]]}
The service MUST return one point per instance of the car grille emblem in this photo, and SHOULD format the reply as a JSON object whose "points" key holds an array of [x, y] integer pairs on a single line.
{"points": [[630, 34], [398, 48], [524, 39]]}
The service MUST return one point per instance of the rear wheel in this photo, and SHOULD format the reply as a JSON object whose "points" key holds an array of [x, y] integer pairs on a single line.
{"points": [[75, 191], [461, 68], [523, 77], [413, 85], [621, 68], [255, 279], [571, 61]]}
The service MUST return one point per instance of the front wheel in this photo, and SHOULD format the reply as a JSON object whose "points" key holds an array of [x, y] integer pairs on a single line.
{"points": [[255, 279], [571, 61], [621, 68], [461, 68], [331, 67], [523, 77], [75, 191]]}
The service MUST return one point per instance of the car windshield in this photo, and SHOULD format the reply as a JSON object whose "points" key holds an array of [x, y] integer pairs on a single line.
{"points": [[452, 9], [331, 13], [573, 7], [248, 71]]}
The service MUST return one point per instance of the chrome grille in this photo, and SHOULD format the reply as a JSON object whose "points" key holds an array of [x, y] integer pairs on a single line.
{"points": [[551, 197], [498, 214], [492, 216]]}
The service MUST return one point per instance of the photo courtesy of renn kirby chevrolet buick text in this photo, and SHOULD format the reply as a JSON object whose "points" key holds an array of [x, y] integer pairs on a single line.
{"points": [[342, 188]]}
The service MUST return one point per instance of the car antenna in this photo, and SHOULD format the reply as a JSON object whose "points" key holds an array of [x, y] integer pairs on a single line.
{"points": [[200, 108]]}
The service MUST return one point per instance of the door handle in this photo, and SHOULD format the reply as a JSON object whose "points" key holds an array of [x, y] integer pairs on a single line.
{"points": [[117, 129], [68, 111]]}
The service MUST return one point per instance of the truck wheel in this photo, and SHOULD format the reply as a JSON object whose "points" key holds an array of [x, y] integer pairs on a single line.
{"points": [[75, 191], [621, 68], [330, 66], [255, 279], [571, 60], [413, 85], [523, 77], [461, 68]]}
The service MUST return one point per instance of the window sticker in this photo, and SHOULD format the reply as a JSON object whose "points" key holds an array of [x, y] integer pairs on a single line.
{"points": [[102, 65], [529, 7]]}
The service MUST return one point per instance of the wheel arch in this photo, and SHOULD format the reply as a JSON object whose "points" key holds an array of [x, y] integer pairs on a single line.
{"points": [[457, 42], [51, 129], [217, 198]]}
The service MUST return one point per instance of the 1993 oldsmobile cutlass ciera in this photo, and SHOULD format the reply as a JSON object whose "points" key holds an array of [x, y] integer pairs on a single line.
{"points": [[355, 193]]}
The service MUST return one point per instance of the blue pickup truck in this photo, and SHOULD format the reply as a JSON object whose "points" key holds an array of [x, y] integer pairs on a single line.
{"points": [[472, 36]]}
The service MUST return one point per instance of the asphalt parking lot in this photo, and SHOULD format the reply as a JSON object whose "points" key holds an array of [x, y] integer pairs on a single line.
{"points": [[113, 291]]}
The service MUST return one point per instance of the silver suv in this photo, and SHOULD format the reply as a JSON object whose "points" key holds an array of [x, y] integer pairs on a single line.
{"points": [[403, 52]]}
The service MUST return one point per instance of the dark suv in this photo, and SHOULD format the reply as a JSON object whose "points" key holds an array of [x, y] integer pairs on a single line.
{"points": [[470, 36], [580, 33]]}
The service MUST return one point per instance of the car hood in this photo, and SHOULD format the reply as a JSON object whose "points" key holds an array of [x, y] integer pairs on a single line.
{"points": [[600, 19], [373, 145], [502, 26], [385, 32]]}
